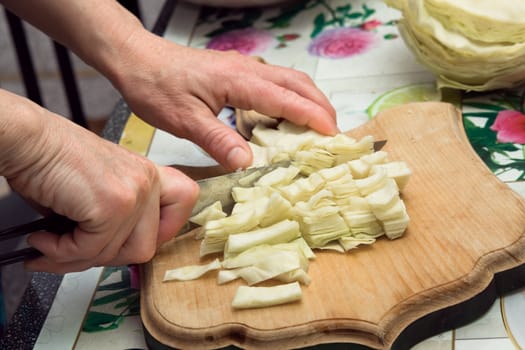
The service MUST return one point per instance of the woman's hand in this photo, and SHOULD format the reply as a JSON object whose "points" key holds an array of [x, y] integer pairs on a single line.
{"points": [[181, 90], [125, 205]]}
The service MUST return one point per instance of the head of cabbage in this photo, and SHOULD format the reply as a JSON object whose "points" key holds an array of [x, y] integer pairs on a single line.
{"points": [[473, 45]]}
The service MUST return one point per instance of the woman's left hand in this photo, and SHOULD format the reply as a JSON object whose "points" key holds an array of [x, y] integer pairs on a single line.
{"points": [[181, 90]]}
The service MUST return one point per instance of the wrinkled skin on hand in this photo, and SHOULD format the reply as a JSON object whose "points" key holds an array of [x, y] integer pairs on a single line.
{"points": [[181, 90], [125, 205]]}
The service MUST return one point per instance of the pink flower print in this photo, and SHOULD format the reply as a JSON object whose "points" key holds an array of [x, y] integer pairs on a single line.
{"points": [[370, 25], [248, 41], [510, 127], [341, 43]]}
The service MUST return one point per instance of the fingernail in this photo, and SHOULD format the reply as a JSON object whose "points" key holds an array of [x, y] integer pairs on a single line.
{"points": [[238, 158]]}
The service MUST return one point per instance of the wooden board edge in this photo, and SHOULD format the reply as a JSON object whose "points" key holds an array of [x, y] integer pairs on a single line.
{"points": [[475, 292]]}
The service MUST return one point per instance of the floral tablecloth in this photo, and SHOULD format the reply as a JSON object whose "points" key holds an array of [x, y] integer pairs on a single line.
{"points": [[353, 51]]}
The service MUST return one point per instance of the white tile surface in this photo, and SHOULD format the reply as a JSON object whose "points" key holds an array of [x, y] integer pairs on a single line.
{"points": [[489, 326], [129, 333], [443, 341], [519, 187], [66, 315], [485, 344], [180, 26], [513, 311]]}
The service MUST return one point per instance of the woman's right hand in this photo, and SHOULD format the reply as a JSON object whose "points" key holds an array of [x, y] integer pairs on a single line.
{"points": [[125, 205]]}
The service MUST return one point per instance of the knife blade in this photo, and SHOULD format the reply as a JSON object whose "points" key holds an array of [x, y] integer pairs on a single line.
{"points": [[219, 188], [216, 184]]}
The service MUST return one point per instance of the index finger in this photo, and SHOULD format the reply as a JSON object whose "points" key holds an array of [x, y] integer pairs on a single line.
{"points": [[283, 92], [285, 103], [299, 82]]}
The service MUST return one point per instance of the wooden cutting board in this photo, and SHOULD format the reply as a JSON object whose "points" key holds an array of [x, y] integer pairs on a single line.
{"points": [[465, 227]]}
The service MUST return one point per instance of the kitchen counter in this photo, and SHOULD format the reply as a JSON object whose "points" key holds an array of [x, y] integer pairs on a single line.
{"points": [[99, 308]]}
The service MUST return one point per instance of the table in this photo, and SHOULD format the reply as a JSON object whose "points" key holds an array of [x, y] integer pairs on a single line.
{"points": [[98, 308]]}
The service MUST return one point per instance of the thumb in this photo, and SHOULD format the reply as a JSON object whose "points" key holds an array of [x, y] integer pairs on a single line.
{"points": [[223, 144]]}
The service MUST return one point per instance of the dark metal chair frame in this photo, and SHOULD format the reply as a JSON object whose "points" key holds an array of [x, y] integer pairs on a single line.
{"points": [[69, 82]]}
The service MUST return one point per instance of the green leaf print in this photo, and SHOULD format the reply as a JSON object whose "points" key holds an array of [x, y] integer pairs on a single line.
{"points": [[113, 297], [343, 9], [100, 321], [319, 24], [368, 12], [479, 115], [354, 15]]}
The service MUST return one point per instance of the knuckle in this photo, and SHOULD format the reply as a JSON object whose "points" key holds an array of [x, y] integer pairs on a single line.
{"points": [[304, 77], [64, 255], [88, 252], [106, 256], [143, 255], [125, 201], [132, 191], [232, 55], [189, 193], [193, 191], [291, 99], [216, 137]]}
